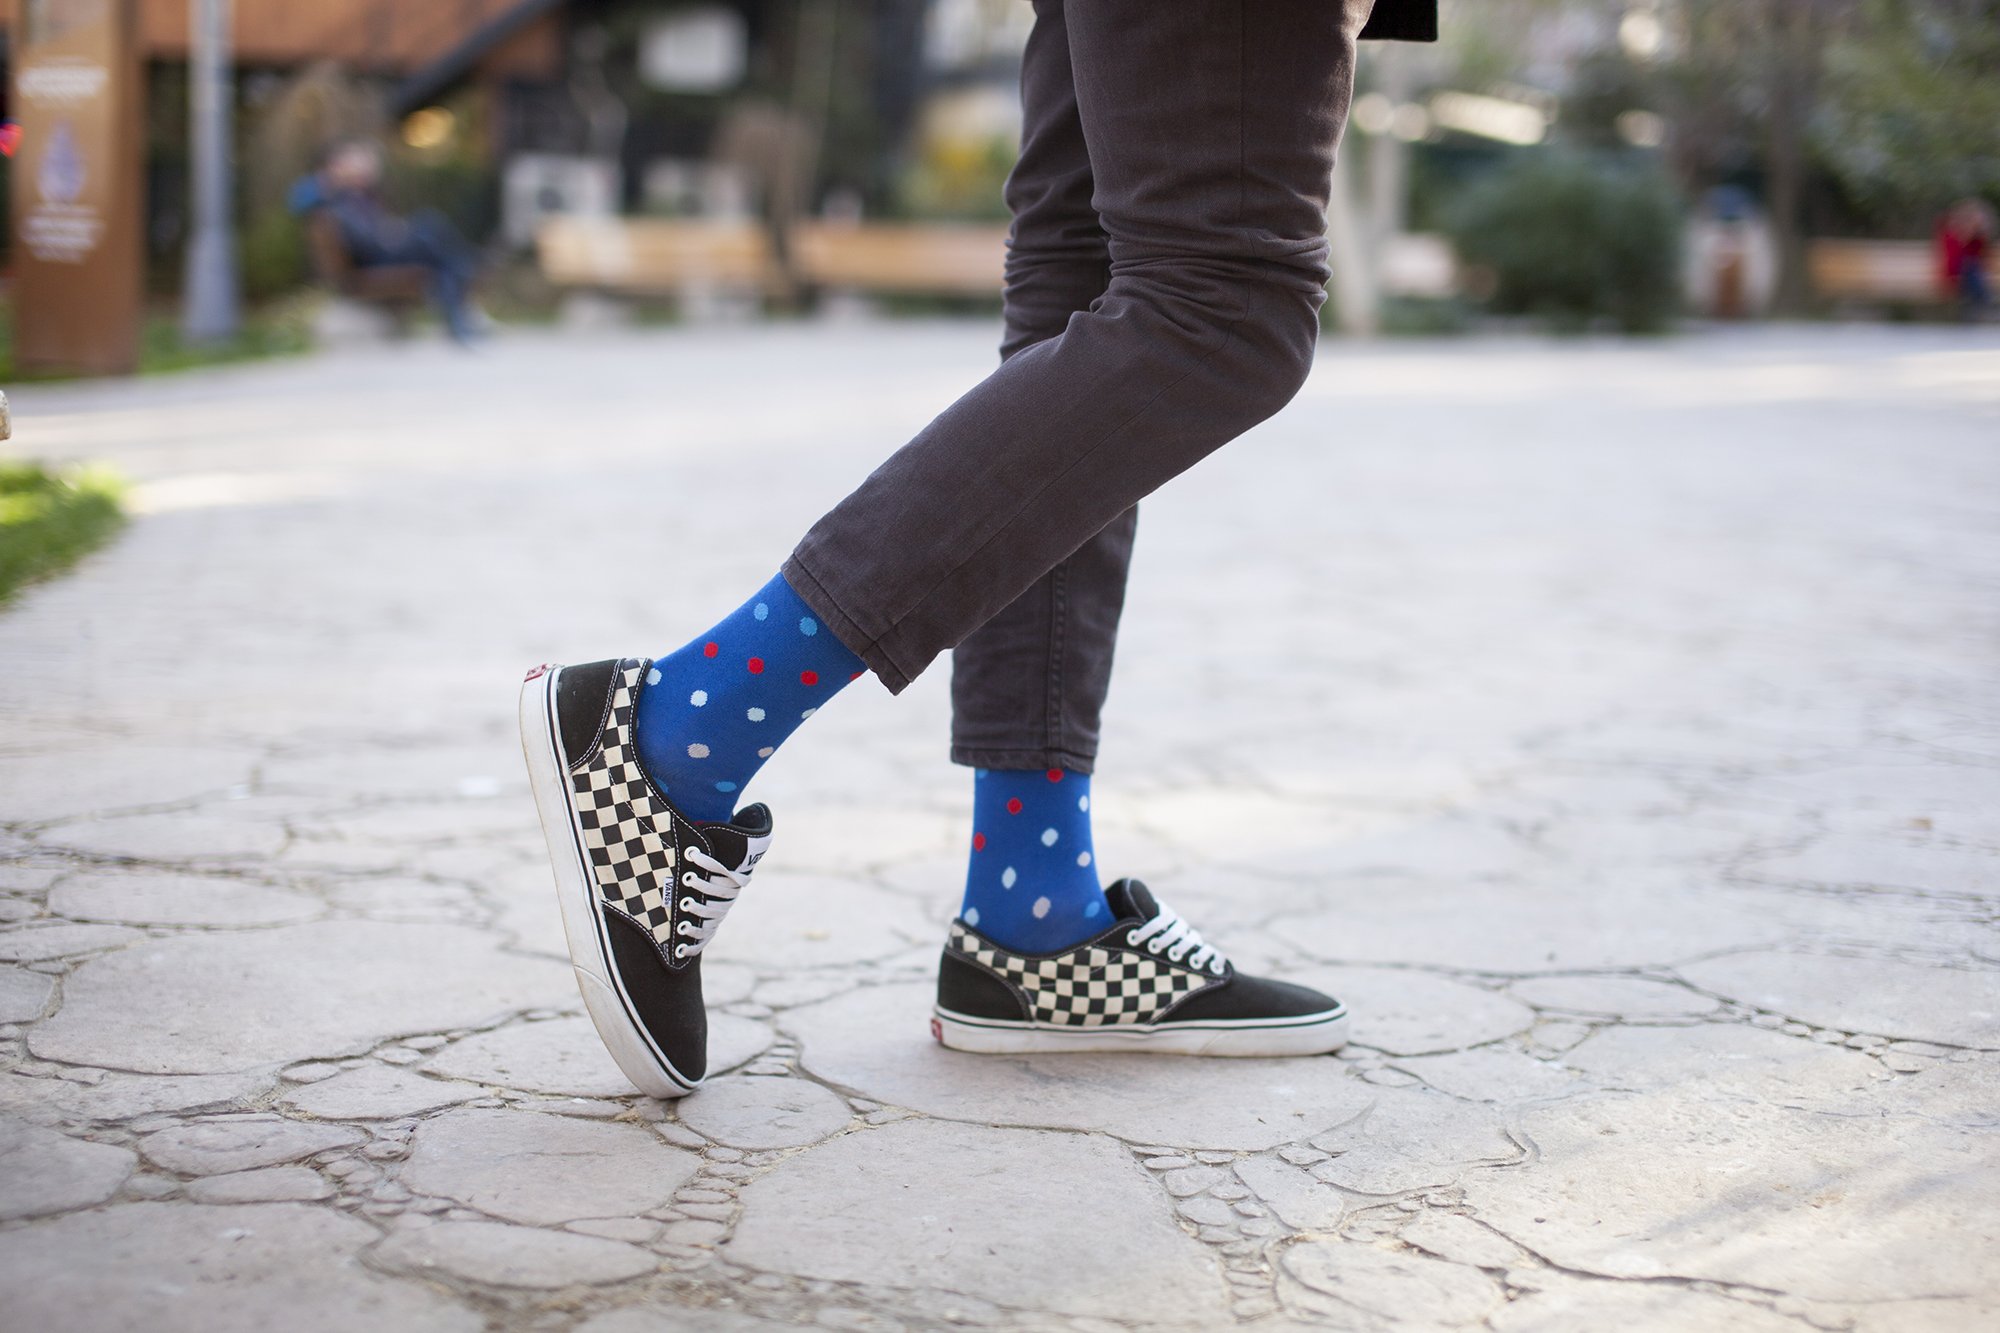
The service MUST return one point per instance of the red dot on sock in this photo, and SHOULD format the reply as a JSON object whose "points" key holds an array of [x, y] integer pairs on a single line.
{"points": [[1055, 775], [710, 649], [756, 666], [979, 842], [857, 675], [808, 677], [1014, 806]]}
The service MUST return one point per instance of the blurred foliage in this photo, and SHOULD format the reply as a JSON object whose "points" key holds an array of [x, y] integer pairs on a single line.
{"points": [[49, 520], [1911, 119], [457, 177], [958, 181], [272, 254], [1425, 316], [1574, 239], [276, 328]]}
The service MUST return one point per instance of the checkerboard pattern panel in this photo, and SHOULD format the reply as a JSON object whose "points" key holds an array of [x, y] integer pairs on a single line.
{"points": [[1088, 987], [628, 833]]}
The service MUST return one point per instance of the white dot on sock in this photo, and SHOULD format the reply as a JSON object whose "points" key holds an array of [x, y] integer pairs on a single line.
{"points": [[653, 676], [755, 715], [808, 713], [1007, 878], [767, 752], [1049, 837], [1083, 858], [1083, 803], [699, 698], [1041, 908], [697, 751], [972, 916]]}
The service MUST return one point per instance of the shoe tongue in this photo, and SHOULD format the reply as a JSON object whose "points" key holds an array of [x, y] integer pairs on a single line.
{"points": [[1129, 898], [742, 840]]}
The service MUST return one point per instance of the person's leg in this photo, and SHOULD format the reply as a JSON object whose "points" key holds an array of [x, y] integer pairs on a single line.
{"points": [[715, 709], [1975, 294], [1211, 126], [1027, 686], [436, 244]]}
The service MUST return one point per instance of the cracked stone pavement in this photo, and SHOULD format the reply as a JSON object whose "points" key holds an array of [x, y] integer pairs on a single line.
{"points": [[1613, 725]]}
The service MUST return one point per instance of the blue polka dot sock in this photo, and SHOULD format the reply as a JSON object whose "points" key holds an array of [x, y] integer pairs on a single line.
{"points": [[1032, 882], [714, 711]]}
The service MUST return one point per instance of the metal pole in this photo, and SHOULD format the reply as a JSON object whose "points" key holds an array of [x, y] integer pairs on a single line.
{"points": [[209, 297]]}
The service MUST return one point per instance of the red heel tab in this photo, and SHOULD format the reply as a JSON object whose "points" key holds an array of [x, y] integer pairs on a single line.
{"points": [[541, 670]]}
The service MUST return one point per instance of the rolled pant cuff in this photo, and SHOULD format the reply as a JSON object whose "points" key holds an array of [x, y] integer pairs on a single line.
{"points": [[859, 641], [1031, 760]]}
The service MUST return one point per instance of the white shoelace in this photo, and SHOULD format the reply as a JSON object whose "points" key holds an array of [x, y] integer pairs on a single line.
{"points": [[1168, 933], [720, 885]]}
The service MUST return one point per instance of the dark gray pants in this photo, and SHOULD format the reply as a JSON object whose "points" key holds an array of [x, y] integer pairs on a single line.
{"points": [[1164, 278]]}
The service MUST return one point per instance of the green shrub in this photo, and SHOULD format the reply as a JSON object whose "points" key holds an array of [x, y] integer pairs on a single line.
{"points": [[1574, 240], [274, 254], [50, 520]]}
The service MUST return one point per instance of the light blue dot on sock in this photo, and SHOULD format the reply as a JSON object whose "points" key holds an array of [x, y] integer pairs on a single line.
{"points": [[972, 916], [725, 786], [1093, 909], [653, 676], [808, 625], [761, 611], [1049, 837]]}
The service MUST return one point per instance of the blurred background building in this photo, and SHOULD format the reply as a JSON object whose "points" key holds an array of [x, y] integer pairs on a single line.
{"points": [[1579, 162]]}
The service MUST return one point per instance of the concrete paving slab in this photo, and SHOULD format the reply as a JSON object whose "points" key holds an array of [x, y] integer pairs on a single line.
{"points": [[1084, 1234], [1572, 708]]}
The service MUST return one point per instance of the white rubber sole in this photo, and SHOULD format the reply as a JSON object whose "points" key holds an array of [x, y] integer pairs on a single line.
{"points": [[1311, 1034], [610, 1008]]}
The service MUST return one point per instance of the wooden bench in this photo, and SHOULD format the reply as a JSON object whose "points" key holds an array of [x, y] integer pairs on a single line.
{"points": [[398, 287], [950, 259], [671, 256], [1879, 272]]}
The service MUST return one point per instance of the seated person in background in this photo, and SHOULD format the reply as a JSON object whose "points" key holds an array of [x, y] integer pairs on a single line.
{"points": [[1963, 239], [347, 187]]}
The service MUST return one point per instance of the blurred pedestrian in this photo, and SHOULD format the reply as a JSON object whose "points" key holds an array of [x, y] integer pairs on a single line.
{"points": [[348, 188], [1164, 276], [1964, 236]]}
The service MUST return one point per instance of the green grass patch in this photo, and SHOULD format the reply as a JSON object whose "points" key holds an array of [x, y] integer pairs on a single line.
{"points": [[49, 520], [280, 328]]}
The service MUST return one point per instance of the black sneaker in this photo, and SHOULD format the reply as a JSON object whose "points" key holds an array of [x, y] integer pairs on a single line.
{"points": [[642, 888], [1148, 983]]}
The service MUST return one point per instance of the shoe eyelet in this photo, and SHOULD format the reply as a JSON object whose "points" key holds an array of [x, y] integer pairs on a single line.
{"points": [[1154, 948], [686, 904], [680, 951], [1131, 937], [1175, 955], [687, 880]]}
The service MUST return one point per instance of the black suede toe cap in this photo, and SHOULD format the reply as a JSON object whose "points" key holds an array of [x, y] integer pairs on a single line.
{"points": [[1245, 997], [668, 1000]]}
